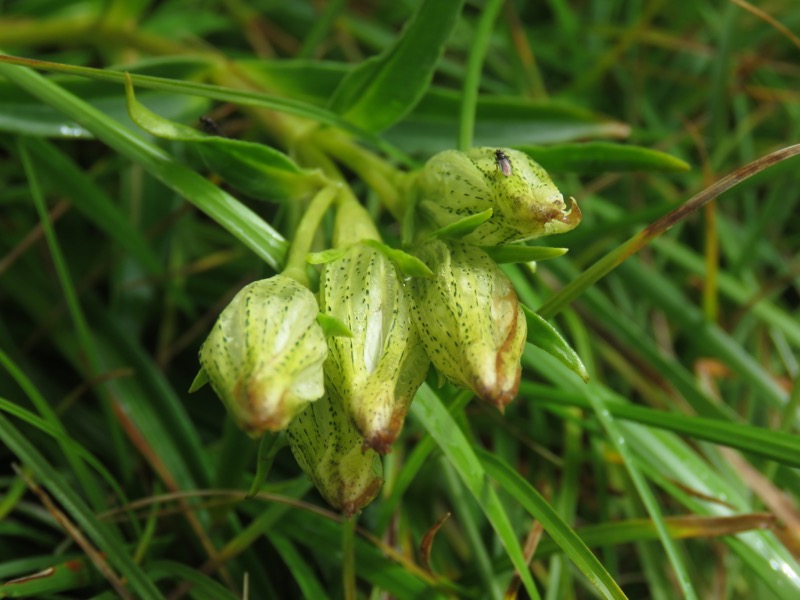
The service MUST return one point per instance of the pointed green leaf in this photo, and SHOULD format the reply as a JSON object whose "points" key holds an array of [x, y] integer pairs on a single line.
{"points": [[463, 226], [326, 256], [515, 253], [440, 424], [384, 88], [409, 265], [544, 513], [199, 381], [333, 327], [603, 157], [546, 337]]}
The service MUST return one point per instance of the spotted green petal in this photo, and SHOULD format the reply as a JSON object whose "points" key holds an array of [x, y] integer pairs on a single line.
{"points": [[329, 449], [376, 372], [470, 320], [526, 204], [264, 355]]}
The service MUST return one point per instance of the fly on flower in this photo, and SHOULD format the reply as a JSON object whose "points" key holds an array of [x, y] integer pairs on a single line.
{"points": [[503, 162]]}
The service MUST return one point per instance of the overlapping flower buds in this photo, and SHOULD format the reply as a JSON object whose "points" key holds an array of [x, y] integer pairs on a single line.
{"points": [[265, 353], [344, 401], [470, 320], [525, 202]]}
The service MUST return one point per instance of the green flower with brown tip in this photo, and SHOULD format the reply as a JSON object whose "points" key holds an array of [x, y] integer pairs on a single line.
{"points": [[377, 371], [470, 320], [328, 447], [525, 203], [264, 355]]}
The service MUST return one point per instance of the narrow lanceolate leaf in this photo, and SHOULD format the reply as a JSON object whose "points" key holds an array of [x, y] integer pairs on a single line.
{"points": [[516, 253], [603, 157], [463, 227], [547, 337], [255, 169], [383, 89], [408, 264]]}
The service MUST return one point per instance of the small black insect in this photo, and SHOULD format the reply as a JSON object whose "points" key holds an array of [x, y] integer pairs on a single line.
{"points": [[503, 162], [208, 125]]}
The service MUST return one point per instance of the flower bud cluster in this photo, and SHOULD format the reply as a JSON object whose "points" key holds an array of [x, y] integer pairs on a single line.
{"points": [[344, 399], [468, 315]]}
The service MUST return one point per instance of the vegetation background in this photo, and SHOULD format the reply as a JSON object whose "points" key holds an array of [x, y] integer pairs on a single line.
{"points": [[671, 474]]}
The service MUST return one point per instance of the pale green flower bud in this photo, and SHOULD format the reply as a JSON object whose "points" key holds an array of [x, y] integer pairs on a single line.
{"points": [[525, 202], [329, 449], [376, 372], [470, 320], [265, 353]]}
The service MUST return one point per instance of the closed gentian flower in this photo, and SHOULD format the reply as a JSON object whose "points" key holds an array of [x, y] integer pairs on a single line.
{"points": [[376, 372], [470, 320], [525, 202], [329, 449], [265, 353]]}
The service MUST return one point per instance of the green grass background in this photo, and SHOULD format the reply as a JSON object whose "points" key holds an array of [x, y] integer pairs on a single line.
{"points": [[672, 473]]}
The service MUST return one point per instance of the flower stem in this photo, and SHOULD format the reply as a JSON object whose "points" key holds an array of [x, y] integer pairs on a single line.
{"points": [[304, 236], [387, 181]]}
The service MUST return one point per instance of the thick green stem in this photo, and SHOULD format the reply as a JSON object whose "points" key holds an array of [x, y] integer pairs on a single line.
{"points": [[304, 236], [349, 558], [387, 181]]}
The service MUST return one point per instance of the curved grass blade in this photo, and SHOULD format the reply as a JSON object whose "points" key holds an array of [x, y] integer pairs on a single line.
{"points": [[666, 459], [93, 202], [101, 534], [255, 169], [561, 533], [203, 587], [775, 445], [616, 257], [301, 571], [547, 337], [228, 212], [428, 408]]}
